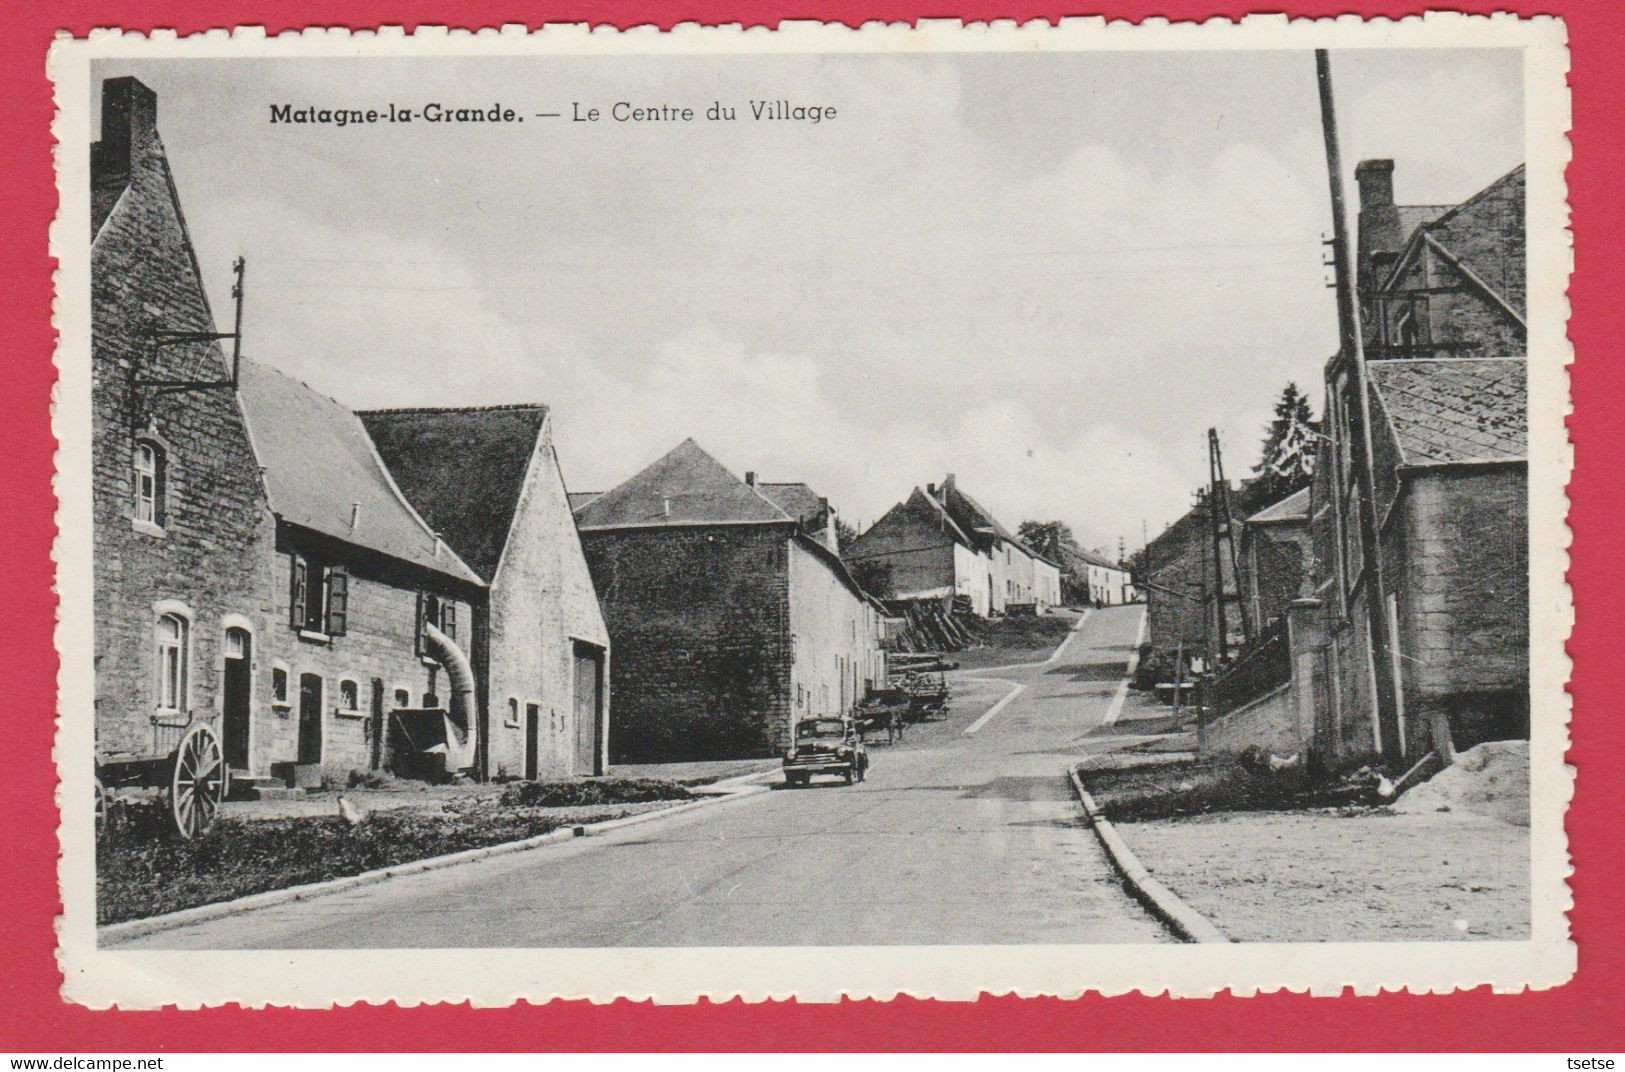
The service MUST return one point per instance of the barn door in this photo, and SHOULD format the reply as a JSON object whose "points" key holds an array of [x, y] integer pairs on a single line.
{"points": [[589, 688]]}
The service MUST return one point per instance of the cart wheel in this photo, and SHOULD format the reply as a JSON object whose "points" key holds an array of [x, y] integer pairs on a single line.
{"points": [[101, 810], [197, 785]]}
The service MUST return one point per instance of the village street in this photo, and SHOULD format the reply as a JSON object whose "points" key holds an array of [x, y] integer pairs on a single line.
{"points": [[965, 834]]}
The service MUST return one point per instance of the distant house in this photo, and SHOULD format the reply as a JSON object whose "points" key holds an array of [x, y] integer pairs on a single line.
{"points": [[917, 551], [1096, 579], [1275, 548], [375, 612], [730, 620], [487, 480], [940, 543]]}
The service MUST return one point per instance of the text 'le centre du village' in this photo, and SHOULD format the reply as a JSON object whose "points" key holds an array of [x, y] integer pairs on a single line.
{"points": [[579, 112]]}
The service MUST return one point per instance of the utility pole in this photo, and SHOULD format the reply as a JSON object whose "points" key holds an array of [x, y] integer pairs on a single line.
{"points": [[1352, 355]]}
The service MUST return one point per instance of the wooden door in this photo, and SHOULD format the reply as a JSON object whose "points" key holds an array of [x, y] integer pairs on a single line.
{"points": [[237, 698], [588, 693], [310, 718], [533, 733]]}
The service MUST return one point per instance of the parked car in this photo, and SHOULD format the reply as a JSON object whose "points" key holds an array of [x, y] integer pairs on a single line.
{"points": [[825, 746]]}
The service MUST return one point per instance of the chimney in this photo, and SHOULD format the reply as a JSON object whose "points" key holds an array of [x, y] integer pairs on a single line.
{"points": [[750, 477], [1376, 181], [931, 490], [129, 123]]}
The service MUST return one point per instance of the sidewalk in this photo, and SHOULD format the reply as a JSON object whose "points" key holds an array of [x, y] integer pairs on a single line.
{"points": [[1449, 861], [1337, 876]]}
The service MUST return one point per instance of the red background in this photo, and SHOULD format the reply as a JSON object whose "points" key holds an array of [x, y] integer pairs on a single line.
{"points": [[1584, 1015]]}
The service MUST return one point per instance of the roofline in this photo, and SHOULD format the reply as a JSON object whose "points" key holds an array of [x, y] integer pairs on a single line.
{"points": [[1473, 278], [830, 559], [786, 521], [1418, 468], [473, 579], [524, 486]]}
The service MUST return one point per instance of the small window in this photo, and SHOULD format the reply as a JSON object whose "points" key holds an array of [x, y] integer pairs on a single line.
{"points": [[171, 660], [513, 711], [436, 611], [279, 686], [149, 483], [403, 698], [349, 696]]}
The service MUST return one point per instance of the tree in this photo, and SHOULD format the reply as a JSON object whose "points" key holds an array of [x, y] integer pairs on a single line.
{"points": [[1046, 537], [1287, 461], [844, 534]]}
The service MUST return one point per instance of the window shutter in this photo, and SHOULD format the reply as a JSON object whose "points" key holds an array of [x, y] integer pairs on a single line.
{"points": [[417, 631], [448, 618], [296, 592], [338, 601], [160, 487]]}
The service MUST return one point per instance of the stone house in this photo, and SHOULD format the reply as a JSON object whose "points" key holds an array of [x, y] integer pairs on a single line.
{"points": [[916, 551], [940, 543], [1442, 308], [729, 620], [488, 481], [182, 532], [374, 613]]}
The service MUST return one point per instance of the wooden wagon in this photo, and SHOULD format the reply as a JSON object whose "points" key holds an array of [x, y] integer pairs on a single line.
{"points": [[186, 765]]}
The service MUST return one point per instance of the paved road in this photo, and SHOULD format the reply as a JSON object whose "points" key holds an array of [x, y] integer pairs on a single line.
{"points": [[955, 838]]}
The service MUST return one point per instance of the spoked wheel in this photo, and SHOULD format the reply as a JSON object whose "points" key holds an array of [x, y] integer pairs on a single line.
{"points": [[197, 784]]}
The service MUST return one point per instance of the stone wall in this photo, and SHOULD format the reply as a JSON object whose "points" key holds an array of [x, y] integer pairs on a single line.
{"points": [[910, 555], [698, 621], [542, 601], [1463, 602], [379, 643], [1269, 722]]}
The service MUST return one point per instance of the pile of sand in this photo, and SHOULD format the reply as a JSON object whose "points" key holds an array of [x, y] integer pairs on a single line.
{"points": [[1491, 779]]}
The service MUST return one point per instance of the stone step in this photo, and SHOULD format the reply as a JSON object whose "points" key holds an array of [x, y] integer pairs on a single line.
{"points": [[274, 792]]}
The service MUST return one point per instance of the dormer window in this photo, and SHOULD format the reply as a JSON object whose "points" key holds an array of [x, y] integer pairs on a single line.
{"points": [[148, 483]]}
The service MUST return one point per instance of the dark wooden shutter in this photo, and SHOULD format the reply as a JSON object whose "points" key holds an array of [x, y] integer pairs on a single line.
{"points": [[296, 591], [160, 486], [338, 600], [448, 618], [417, 631]]}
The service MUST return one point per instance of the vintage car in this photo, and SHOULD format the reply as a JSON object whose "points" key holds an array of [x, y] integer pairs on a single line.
{"points": [[825, 746]]}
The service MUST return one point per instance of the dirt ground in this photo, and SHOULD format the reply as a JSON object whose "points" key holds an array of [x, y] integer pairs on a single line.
{"points": [[1326, 876]]}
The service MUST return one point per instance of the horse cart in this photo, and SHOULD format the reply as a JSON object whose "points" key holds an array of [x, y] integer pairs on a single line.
{"points": [[187, 766]]}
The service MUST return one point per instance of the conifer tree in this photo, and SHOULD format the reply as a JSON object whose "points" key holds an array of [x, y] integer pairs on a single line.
{"points": [[1287, 462]]}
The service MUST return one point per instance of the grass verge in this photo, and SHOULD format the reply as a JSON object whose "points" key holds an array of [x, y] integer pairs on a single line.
{"points": [[602, 791], [1016, 639], [143, 869], [1220, 784]]}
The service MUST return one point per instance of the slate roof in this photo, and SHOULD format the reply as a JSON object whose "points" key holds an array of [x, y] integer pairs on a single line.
{"points": [[918, 500], [685, 487], [1413, 216], [578, 499], [1075, 554], [320, 464], [462, 469], [798, 500], [1455, 409], [971, 515], [1294, 507]]}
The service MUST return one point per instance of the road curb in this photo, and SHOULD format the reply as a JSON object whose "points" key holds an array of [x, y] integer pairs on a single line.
{"points": [[114, 933], [1186, 922]]}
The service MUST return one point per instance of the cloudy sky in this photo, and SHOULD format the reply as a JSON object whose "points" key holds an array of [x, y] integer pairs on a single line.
{"points": [[1049, 274]]}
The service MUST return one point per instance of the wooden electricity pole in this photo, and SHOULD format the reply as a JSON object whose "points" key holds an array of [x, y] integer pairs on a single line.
{"points": [[1351, 355]]}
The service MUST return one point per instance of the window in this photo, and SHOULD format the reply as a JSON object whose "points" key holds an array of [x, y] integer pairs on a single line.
{"points": [[403, 698], [513, 711], [318, 597], [172, 638], [439, 612], [349, 695], [149, 483], [279, 686]]}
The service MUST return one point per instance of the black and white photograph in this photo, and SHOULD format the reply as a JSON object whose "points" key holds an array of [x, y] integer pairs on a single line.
{"points": [[1004, 508]]}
